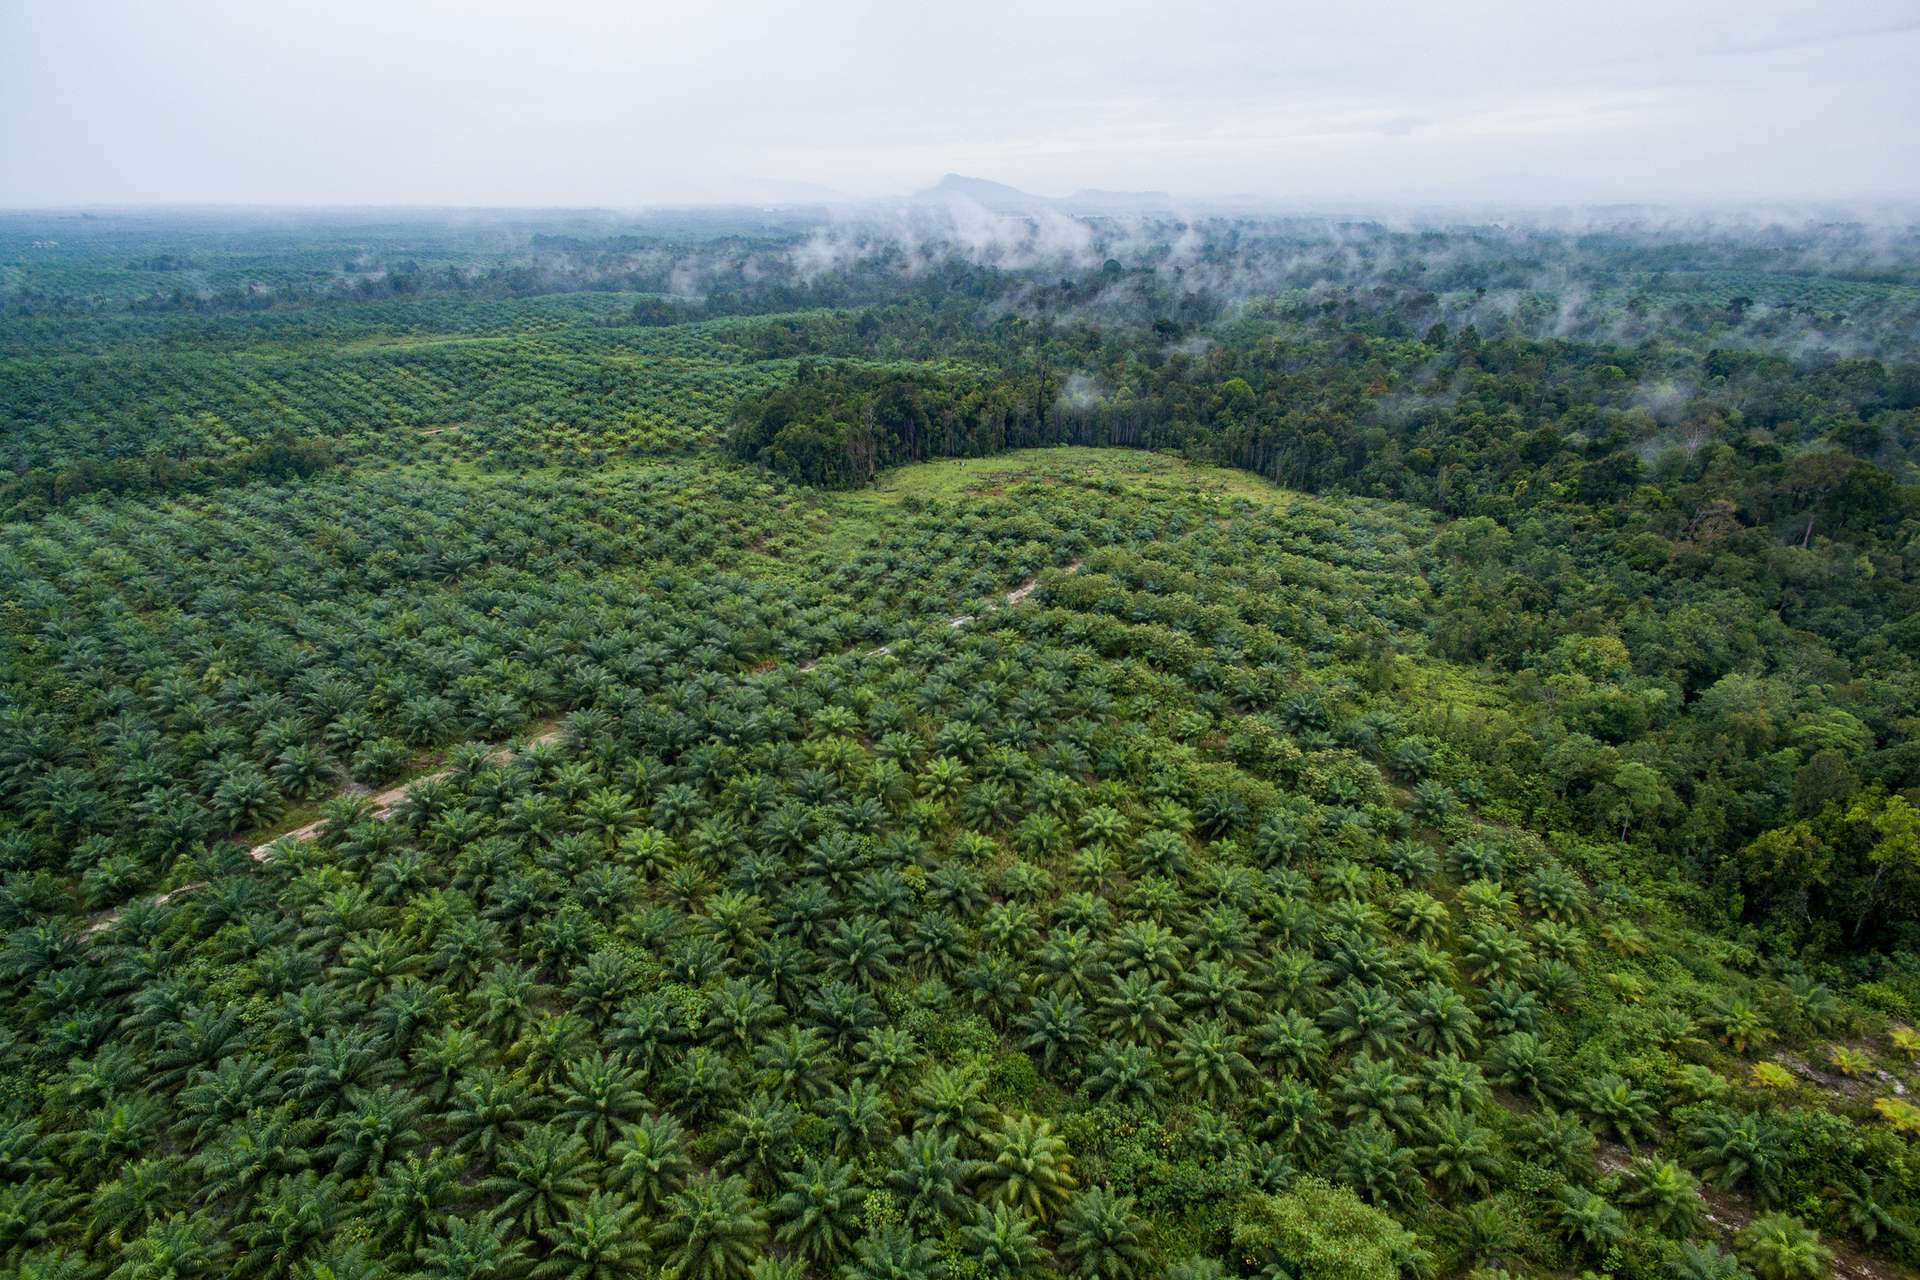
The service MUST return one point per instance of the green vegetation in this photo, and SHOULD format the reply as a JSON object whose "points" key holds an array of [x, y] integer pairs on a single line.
{"points": [[522, 767]]}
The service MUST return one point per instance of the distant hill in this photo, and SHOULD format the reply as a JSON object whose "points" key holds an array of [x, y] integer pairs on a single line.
{"points": [[1002, 198], [990, 195]]}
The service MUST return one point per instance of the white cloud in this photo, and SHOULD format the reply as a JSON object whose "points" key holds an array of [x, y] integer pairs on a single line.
{"points": [[601, 102]]}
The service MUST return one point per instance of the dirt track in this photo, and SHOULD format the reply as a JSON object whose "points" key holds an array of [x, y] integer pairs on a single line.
{"points": [[1014, 597], [387, 801], [383, 805]]}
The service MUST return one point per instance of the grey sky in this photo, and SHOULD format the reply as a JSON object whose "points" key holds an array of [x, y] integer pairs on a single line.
{"points": [[570, 102]]}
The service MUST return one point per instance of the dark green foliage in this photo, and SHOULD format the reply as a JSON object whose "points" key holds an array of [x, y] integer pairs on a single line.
{"points": [[1270, 884]]}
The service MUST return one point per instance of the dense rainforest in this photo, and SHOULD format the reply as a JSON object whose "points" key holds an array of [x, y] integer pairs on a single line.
{"points": [[746, 743]]}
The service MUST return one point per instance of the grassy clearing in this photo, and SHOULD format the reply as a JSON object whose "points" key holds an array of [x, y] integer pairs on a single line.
{"points": [[956, 478]]}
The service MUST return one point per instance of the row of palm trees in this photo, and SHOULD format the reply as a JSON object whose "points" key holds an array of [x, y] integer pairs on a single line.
{"points": [[345, 659], [1015, 945], [511, 382]]}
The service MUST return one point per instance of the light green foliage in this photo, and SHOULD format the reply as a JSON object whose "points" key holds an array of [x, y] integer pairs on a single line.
{"points": [[1779, 1246], [1318, 1231]]}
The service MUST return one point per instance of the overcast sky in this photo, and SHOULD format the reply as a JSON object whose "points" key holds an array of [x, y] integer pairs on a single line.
{"points": [[576, 102]]}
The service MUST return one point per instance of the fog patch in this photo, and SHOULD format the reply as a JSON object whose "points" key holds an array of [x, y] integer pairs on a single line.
{"points": [[1665, 401], [1082, 392]]}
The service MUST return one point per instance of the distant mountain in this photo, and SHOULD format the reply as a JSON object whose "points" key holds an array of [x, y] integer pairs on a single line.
{"points": [[1001, 198], [989, 195]]}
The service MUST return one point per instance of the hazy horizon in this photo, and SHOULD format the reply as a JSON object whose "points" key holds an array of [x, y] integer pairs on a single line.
{"points": [[601, 106]]}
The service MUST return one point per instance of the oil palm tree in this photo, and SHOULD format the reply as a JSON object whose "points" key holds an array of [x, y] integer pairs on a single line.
{"points": [[1418, 916], [843, 1013], [541, 1178], [1511, 1008], [599, 1096], [820, 1211], [865, 950], [754, 1138], [1863, 1207], [792, 1063], [599, 1239], [476, 1247], [1056, 1026], [142, 1193], [338, 1063], [178, 1247], [1074, 961], [407, 1012], [1584, 1218], [1739, 1149], [711, 1229], [1560, 1142], [1208, 1059], [935, 943], [1375, 1165], [489, 1112], [296, 1212], [233, 1087], [1219, 987], [1291, 1043], [649, 1161], [993, 987], [1666, 1196], [1523, 1061], [1459, 1153], [892, 1253], [409, 1196], [1374, 1089], [1615, 1103], [1001, 1241], [1452, 1081], [606, 814], [506, 999], [254, 1149], [857, 1114], [1367, 1015], [1124, 1074], [599, 987], [1740, 1023], [1778, 1246], [1442, 1022], [885, 1053], [739, 920], [1138, 1010], [703, 1082], [1026, 1166], [928, 1176], [1151, 948], [1100, 1235], [1496, 951], [1705, 1262], [377, 1125], [1293, 1115], [1486, 1232]]}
